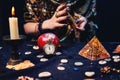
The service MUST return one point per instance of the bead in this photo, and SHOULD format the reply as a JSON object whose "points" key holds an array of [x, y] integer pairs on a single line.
{"points": [[76, 68]]}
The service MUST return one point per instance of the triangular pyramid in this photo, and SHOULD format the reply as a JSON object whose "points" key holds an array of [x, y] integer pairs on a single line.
{"points": [[117, 49], [94, 50]]}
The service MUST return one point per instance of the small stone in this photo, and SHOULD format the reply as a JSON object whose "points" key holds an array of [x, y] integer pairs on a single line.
{"points": [[40, 56], [78, 63], [35, 47], [43, 59], [44, 74], [116, 60], [28, 52], [108, 59], [102, 62], [58, 53], [64, 61], [90, 73], [76, 68], [61, 68], [116, 56]]}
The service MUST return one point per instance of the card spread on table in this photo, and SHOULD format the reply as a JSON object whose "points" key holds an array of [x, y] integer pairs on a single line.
{"points": [[94, 50]]}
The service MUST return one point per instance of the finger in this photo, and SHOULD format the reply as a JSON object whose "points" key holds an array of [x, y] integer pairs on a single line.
{"points": [[62, 12], [61, 7], [81, 25], [62, 18], [60, 25], [68, 7]]}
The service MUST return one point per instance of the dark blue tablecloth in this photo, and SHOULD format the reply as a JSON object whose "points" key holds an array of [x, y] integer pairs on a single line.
{"points": [[69, 52]]}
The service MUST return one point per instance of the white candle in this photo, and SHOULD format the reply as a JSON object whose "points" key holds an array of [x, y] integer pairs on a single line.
{"points": [[13, 25]]}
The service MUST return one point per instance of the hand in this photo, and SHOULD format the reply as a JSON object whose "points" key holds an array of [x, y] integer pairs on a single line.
{"points": [[59, 16], [81, 23]]}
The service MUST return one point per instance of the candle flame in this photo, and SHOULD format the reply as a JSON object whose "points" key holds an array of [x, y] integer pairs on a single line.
{"points": [[13, 11]]}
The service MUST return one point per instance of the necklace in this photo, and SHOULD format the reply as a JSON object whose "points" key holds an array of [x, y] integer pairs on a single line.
{"points": [[68, 1]]}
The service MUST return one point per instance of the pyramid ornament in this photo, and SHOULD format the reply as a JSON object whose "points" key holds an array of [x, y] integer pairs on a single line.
{"points": [[117, 49], [94, 50]]}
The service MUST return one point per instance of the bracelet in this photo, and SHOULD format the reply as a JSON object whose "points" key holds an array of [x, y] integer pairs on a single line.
{"points": [[36, 31], [40, 28]]}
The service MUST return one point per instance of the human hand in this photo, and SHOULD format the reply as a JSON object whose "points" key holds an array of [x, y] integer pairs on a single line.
{"points": [[81, 23], [55, 21]]}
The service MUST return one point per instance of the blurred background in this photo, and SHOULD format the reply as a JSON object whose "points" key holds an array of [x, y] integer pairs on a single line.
{"points": [[108, 15]]}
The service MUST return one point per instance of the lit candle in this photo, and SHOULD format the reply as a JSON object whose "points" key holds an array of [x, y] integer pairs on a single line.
{"points": [[13, 25]]}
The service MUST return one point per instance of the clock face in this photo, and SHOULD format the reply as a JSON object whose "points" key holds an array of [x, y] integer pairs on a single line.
{"points": [[49, 49]]}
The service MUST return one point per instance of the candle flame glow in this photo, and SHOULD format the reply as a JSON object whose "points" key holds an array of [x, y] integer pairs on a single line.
{"points": [[13, 11]]}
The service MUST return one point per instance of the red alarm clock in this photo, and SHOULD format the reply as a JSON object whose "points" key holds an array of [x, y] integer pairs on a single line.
{"points": [[48, 42]]}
